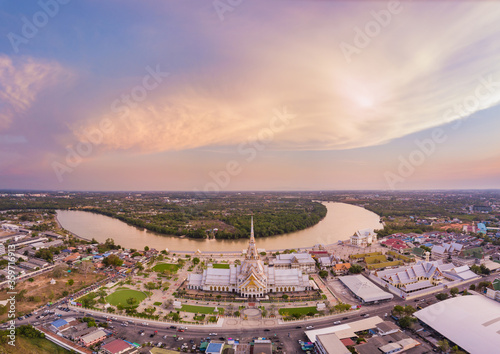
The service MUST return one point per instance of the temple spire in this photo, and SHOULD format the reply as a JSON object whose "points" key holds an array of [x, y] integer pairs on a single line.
{"points": [[252, 236], [252, 249]]}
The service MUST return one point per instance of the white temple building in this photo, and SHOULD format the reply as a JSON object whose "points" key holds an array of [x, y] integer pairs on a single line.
{"points": [[252, 278]]}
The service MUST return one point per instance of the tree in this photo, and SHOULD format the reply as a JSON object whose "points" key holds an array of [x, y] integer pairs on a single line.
{"points": [[398, 310], [196, 260], [71, 282], [85, 267], [441, 296], [284, 297], [59, 270], [146, 248], [169, 303], [472, 287], [456, 350], [454, 291], [112, 260], [443, 345], [131, 300], [409, 310], [355, 269], [406, 321], [323, 273], [44, 254]]}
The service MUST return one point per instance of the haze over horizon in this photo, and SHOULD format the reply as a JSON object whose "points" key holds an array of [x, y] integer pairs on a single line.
{"points": [[281, 96]]}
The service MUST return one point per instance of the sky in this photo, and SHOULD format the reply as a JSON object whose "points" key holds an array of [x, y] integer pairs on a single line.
{"points": [[249, 95]]}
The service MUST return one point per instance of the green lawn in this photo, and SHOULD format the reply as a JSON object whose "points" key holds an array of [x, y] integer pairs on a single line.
{"points": [[120, 297], [198, 309], [299, 310], [221, 266], [160, 267]]}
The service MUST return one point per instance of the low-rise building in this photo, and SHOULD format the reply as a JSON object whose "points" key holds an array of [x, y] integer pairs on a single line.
{"points": [[365, 290], [363, 238], [302, 261], [93, 338], [117, 346], [330, 344], [341, 268]]}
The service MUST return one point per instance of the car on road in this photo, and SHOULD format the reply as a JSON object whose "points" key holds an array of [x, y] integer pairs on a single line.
{"points": [[266, 330], [336, 322], [180, 330], [173, 327], [212, 334], [366, 315], [345, 318], [310, 327], [298, 327]]}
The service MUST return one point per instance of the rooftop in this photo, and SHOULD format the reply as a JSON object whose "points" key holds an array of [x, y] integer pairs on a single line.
{"points": [[364, 288], [472, 322]]}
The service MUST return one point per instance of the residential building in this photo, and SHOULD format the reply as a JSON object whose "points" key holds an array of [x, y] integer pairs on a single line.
{"points": [[93, 338], [341, 268], [214, 348], [330, 344], [117, 346], [494, 293], [396, 244]]}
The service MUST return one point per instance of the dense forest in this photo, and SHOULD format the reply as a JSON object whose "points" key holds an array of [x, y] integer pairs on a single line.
{"points": [[224, 216], [277, 218]]}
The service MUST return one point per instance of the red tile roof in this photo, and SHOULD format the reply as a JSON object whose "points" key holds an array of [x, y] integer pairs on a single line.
{"points": [[116, 346]]}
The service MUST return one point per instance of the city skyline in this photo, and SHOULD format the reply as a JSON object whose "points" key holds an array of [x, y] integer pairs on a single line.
{"points": [[256, 96]]}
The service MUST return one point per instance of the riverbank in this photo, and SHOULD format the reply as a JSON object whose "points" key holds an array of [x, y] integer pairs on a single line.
{"points": [[341, 221]]}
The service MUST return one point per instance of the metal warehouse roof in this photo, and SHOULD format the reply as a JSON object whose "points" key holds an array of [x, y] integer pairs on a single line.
{"points": [[364, 288], [472, 322]]}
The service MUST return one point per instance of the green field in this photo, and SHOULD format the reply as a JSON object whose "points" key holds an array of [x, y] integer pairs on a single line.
{"points": [[32, 345], [363, 255], [298, 310], [384, 264], [120, 297], [221, 266], [375, 259], [160, 267], [198, 309]]}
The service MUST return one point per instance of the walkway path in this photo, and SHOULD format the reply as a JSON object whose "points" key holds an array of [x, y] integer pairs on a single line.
{"points": [[329, 296]]}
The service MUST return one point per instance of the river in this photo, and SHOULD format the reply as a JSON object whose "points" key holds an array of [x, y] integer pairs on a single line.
{"points": [[340, 222]]}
